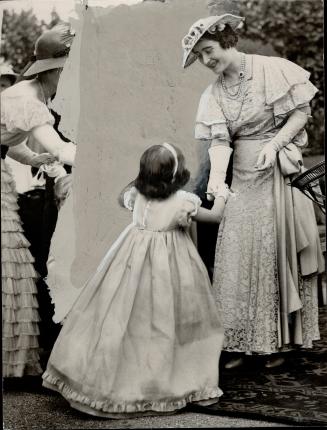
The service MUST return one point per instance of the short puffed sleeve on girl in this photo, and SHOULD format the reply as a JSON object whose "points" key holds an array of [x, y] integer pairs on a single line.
{"points": [[210, 121], [23, 113], [287, 87], [130, 197], [188, 208]]}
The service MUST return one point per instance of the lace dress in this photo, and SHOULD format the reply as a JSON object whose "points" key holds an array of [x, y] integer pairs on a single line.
{"points": [[20, 112], [267, 250], [144, 335]]}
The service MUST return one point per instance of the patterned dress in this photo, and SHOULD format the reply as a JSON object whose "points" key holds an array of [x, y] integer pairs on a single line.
{"points": [[21, 111], [144, 336], [267, 252]]}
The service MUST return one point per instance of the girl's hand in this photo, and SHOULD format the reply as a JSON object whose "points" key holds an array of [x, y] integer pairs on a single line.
{"points": [[45, 158], [267, 157]]}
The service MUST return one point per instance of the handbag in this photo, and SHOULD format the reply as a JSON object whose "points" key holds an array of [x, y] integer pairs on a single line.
{"points": [[290, 160]]}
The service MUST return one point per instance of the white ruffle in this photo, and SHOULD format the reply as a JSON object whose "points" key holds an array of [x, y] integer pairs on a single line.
{"points": [[129, 198], [287, 86], [20, 255], [114, 406], [13, 239], [190, 197], [15, 329], [23, 113], [18, 286], [210, 121], [19, 301], [21, 315]]}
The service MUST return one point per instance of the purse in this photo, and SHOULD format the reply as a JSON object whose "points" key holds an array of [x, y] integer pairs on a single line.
{"points": [[290, 160]]}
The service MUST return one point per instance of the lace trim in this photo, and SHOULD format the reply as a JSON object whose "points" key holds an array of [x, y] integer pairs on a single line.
{"points": [[126, 407]]}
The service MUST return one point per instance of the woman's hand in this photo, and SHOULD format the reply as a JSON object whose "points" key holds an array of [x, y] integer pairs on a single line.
{"points": [[267, 157], [45, 158]]}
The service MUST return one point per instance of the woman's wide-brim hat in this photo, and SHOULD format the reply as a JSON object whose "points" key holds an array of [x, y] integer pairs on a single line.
{"points": [[51, 50], [200, 27]]}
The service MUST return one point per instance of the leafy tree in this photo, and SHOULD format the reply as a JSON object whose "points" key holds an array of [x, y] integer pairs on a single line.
{"points": [[294, 28], [19, 34]]}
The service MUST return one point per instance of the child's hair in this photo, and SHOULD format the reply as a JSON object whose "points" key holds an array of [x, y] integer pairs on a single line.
{"points": [[156, 179]]}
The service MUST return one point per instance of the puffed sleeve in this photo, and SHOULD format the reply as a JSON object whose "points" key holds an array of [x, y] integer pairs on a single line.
{"points": [[22, 113], [287, 87], [210, 121], [129, 198], [189, 207]]}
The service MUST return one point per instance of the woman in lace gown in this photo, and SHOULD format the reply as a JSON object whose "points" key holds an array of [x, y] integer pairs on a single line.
{"points": [[268, 252], [144, 336], [24, 113]]}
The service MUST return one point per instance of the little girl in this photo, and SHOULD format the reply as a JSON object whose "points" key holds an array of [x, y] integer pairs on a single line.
{"points": [[144, 336]]}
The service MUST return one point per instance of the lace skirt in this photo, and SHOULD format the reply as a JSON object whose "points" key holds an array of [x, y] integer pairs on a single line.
{"points": [[246, 284], [20, 316]]}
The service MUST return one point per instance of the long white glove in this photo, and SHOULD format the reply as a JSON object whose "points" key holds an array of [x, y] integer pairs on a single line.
{"points": [[268, 154], [67, 153], [47, 136], [219, 158]]}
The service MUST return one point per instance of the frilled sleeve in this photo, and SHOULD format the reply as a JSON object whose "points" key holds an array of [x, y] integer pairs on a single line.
{"points": [[24, 113], [287, 87], [129, 198], [189, 207], [210, 121]]}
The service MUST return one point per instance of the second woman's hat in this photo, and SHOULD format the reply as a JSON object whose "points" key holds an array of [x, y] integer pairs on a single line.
{"points": [[51, 50], [211, 24]]}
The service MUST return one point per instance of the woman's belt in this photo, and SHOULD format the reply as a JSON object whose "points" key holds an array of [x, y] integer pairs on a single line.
{"points": [[4, 150]]}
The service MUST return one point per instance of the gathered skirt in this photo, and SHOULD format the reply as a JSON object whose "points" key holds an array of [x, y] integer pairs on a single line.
{"points": [[144, 336], [20, 347]]}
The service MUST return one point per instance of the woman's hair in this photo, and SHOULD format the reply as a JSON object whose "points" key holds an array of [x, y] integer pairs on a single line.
{"points": [[156, 178], [227, 38]]}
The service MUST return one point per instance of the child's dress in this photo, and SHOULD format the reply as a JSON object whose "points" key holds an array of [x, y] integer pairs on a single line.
{"points": [[144, 336]]}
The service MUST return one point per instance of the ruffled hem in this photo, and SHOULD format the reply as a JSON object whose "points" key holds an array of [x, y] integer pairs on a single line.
{"points": [[9, 205], [20, 315], [17, 271], [18, 344], [8, 187], [9, 215], [111, 407], [18, 286], [14, 240], [8, 226], [16, 329], [19, 370], [19, 301], [18, 255]]}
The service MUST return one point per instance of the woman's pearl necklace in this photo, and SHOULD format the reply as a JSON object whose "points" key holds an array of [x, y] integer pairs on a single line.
{"points": [[240, 83]]}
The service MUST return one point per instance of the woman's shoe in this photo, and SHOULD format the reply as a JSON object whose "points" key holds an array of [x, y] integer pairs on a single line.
{"points": [[235, 362], [274, 362]]}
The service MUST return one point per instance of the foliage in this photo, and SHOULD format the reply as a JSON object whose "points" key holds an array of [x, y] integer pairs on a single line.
{"points": [[294, 28], [19, 33]]}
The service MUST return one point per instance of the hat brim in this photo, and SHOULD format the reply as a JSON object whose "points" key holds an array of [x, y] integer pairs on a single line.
{"points": [[233, 20], [44, 65]]}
